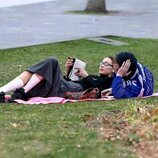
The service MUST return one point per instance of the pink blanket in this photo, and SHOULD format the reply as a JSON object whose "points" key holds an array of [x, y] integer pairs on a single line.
{"points": [[51, 100]]}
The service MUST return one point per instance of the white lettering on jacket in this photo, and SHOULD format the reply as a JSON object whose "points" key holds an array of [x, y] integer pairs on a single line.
{"points": [[130, 83]]}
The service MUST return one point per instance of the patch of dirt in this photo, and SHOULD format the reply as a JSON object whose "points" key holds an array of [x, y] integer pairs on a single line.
{"points": [[141, 133]]}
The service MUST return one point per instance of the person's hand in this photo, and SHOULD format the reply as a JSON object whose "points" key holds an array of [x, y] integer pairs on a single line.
{"points": [[68, 64], [123, 70], [106, 92], [81, 73]]}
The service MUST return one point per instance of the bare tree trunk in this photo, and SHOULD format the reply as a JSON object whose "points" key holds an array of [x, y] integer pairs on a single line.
{"points": [[96, 6]]}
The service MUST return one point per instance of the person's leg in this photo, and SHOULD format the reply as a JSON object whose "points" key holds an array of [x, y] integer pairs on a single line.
{"points": [[51, 73], [21, 93], [25, 76], [17, 82], [34, 80], [50, 70]]}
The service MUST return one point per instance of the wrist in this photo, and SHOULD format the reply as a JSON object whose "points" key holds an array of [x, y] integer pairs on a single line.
{"points": [[119, 75], [85, 75]]}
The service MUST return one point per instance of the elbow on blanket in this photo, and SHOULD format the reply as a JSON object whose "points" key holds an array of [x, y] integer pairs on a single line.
{"points": [[120, 94]]}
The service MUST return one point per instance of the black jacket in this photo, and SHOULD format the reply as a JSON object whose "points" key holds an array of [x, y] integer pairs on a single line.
{"points": [[101, 82]]}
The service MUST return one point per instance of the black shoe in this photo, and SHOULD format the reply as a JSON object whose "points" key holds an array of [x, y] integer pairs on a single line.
{"points": [[2, 97], [18, 94]]}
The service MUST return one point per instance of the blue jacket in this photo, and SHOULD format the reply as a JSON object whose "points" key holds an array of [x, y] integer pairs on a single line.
{"points": [[140, 84]]}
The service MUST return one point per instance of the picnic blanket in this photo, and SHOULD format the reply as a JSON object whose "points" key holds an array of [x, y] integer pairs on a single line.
{"points": [[59, 100]]}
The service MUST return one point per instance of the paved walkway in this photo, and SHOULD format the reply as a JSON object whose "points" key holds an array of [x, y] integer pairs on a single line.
{"points": [[47, 22], [9, 3]]}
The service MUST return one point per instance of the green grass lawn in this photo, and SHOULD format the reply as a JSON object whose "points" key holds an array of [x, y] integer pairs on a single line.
{"points": [[59, 131]]}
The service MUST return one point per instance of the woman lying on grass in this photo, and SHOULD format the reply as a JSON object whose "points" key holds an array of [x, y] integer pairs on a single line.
{"points": [[45, 80]]}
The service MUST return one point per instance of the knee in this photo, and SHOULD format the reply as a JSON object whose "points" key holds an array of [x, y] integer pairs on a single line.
{"points": [[25, 76], [39, 76], [52, 60]]}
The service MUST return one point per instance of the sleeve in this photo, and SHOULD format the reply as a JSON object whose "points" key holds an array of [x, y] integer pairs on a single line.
{"points": [[66, 78], [119, 90], [90, 81]]}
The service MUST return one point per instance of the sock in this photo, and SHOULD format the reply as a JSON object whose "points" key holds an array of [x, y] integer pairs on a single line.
{"points": [[34, 80], [12, 85]]}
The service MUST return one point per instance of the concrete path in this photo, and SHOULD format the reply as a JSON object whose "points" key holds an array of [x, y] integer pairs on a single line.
{"points": [[9, 3], [48, 22]]}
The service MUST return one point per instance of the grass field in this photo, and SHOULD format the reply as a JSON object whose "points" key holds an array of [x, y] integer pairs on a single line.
{"points": [[72, 130]]}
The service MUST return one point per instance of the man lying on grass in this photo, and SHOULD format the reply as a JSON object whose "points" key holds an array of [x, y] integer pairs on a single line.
{"points": [[132, 79]]}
